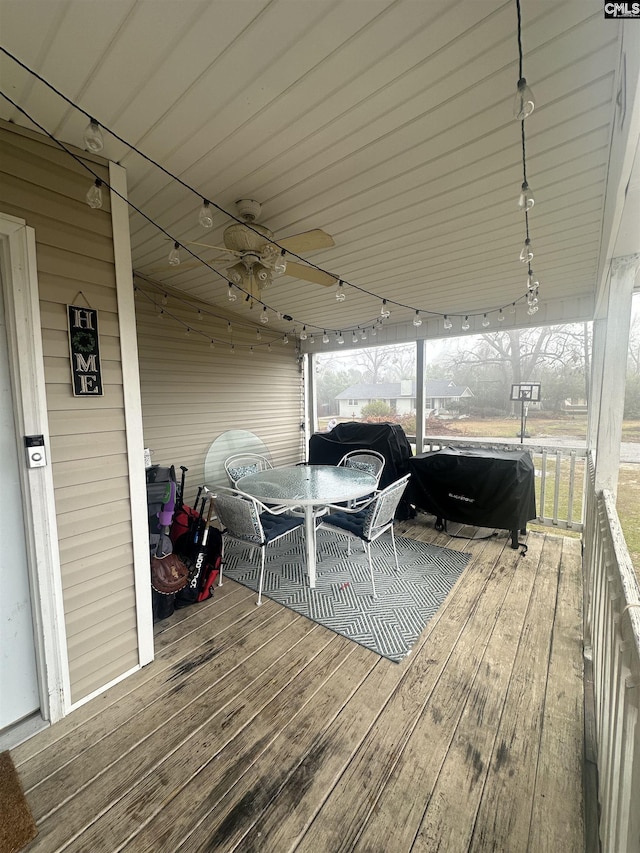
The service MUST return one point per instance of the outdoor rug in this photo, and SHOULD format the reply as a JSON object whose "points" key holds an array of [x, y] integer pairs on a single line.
{"points": [[342, 600]]}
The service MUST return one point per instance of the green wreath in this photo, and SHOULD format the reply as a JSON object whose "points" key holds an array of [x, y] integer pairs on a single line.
{"points": [[83, 341]]}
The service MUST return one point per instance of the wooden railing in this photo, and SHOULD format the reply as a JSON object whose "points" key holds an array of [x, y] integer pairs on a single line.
{"points": [[560, 478], [612, 643]]}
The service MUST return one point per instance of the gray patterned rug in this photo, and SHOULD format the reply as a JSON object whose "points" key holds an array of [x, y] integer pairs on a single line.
{"points": [[342, 601]]}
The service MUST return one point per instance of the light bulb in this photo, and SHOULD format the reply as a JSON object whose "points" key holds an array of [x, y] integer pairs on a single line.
{"points": [[325, 338], [93, 139], [532, 309], [354, 338], [486, 322], [373, 332], [212, 345], [285, 340], [447, 324], [523, 104], [258, 335], [340, 294], [264, 317], [250, 350], [280, 266], [465, 325], [262, 274], [303, 334], [512, 308], [501, 316], [339, 338], [187, 332], [174, 255], [205, 217], [231, 294], [312, 340], [526, 253], [94, 195], [526, 200], [417, 320], [363, 335], [384, 311]]}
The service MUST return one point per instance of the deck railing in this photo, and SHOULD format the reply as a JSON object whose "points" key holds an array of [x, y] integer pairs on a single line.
{"points": [[560, 478], [612, 642]]}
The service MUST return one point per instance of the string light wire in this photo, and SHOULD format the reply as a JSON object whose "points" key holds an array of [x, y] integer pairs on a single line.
{"points": [[386, 301]]}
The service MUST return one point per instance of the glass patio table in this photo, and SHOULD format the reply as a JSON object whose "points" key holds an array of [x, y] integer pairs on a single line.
{"points": [[310, 487]]}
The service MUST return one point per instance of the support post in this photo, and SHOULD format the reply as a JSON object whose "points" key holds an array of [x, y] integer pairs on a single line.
{"points": [[420, 410], [614, 366]]}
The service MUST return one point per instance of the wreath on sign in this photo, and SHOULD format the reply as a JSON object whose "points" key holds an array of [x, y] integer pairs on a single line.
{"points": [[83, 341]]}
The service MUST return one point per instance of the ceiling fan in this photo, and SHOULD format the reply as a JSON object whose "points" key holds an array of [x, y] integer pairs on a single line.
{"points": [[254, 260]]}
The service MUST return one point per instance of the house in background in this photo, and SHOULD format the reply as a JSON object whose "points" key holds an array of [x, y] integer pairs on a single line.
{"points": [[400, 396]]}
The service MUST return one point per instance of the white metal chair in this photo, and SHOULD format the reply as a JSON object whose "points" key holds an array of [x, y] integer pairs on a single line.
{"points": [[367, 522], [249, 521], [241, 464], [364, 460]]}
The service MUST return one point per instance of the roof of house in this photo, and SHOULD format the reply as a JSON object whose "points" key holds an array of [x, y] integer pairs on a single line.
{"points": [[393, 390]]}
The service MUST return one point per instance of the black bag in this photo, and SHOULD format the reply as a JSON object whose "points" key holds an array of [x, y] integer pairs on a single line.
{"points": [[203, 557]]}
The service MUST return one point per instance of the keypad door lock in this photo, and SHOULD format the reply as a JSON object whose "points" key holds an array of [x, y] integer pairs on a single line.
{"points": [[36, 454]]}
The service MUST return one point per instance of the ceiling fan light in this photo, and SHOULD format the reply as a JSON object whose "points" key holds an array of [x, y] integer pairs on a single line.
{"points": [[524, 103], [205, 217], [174, 255]]}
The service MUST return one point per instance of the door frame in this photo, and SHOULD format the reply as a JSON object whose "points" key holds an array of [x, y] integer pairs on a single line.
{"points": [[26, 367]]}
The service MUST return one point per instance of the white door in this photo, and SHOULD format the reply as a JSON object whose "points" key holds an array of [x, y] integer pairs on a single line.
{"points": [[19, 693]]}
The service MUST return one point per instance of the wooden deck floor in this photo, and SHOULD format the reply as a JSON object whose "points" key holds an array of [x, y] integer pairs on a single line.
{"points": [[257, 730]]}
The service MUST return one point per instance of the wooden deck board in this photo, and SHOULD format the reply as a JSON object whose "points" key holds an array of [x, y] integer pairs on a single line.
{"points": [[257, 730]]}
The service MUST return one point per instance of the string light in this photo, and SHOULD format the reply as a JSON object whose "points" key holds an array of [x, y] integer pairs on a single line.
{"points": [[280, 266], [501, 316], [340, 294], [174, 255], [339, 338], [447, 324], [231, 294], [465, 324], [303, 334], [94, 195], [264, 317], [325, 337], [93, 139], [526, 253], [486, 322], [417, 320], [205, 217], [384, 311], [523, 104]]}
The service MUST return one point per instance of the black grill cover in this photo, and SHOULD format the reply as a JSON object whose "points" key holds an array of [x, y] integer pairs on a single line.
{"points": [[328, 448], [484, 488]]}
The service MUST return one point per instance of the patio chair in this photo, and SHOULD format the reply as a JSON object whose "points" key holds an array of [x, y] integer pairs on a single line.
{"points": [[369, 521], [249, 521], [241, 464], [364, 460]]}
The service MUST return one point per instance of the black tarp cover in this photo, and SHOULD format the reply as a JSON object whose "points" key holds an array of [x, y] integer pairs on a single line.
{"points": [[484, 488], [328, 448]]}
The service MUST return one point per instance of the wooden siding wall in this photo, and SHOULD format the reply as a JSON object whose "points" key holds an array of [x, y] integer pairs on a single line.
{"points": [[45, 187], [192, 393]]}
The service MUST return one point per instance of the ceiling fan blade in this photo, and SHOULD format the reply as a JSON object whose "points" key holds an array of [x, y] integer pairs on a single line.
{"points": [[307, 241], [310, 274], [217, 248]]}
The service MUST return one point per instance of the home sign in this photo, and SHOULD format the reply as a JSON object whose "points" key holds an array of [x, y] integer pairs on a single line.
{"points": [[84, 347]]}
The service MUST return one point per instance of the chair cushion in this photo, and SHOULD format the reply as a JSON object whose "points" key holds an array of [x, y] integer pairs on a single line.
{"points": [[351, 522], [276, 525]]}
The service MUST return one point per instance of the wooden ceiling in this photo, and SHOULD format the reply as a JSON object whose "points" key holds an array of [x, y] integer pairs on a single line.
{"points": [[387, 123]]}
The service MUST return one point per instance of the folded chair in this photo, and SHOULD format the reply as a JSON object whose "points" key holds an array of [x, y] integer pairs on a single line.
{"points": [[241, 464], [370, 520], [247, 520]]}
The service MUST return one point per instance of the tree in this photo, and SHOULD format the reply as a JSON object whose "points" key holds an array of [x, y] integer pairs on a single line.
{"points": [[376, 409]]}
